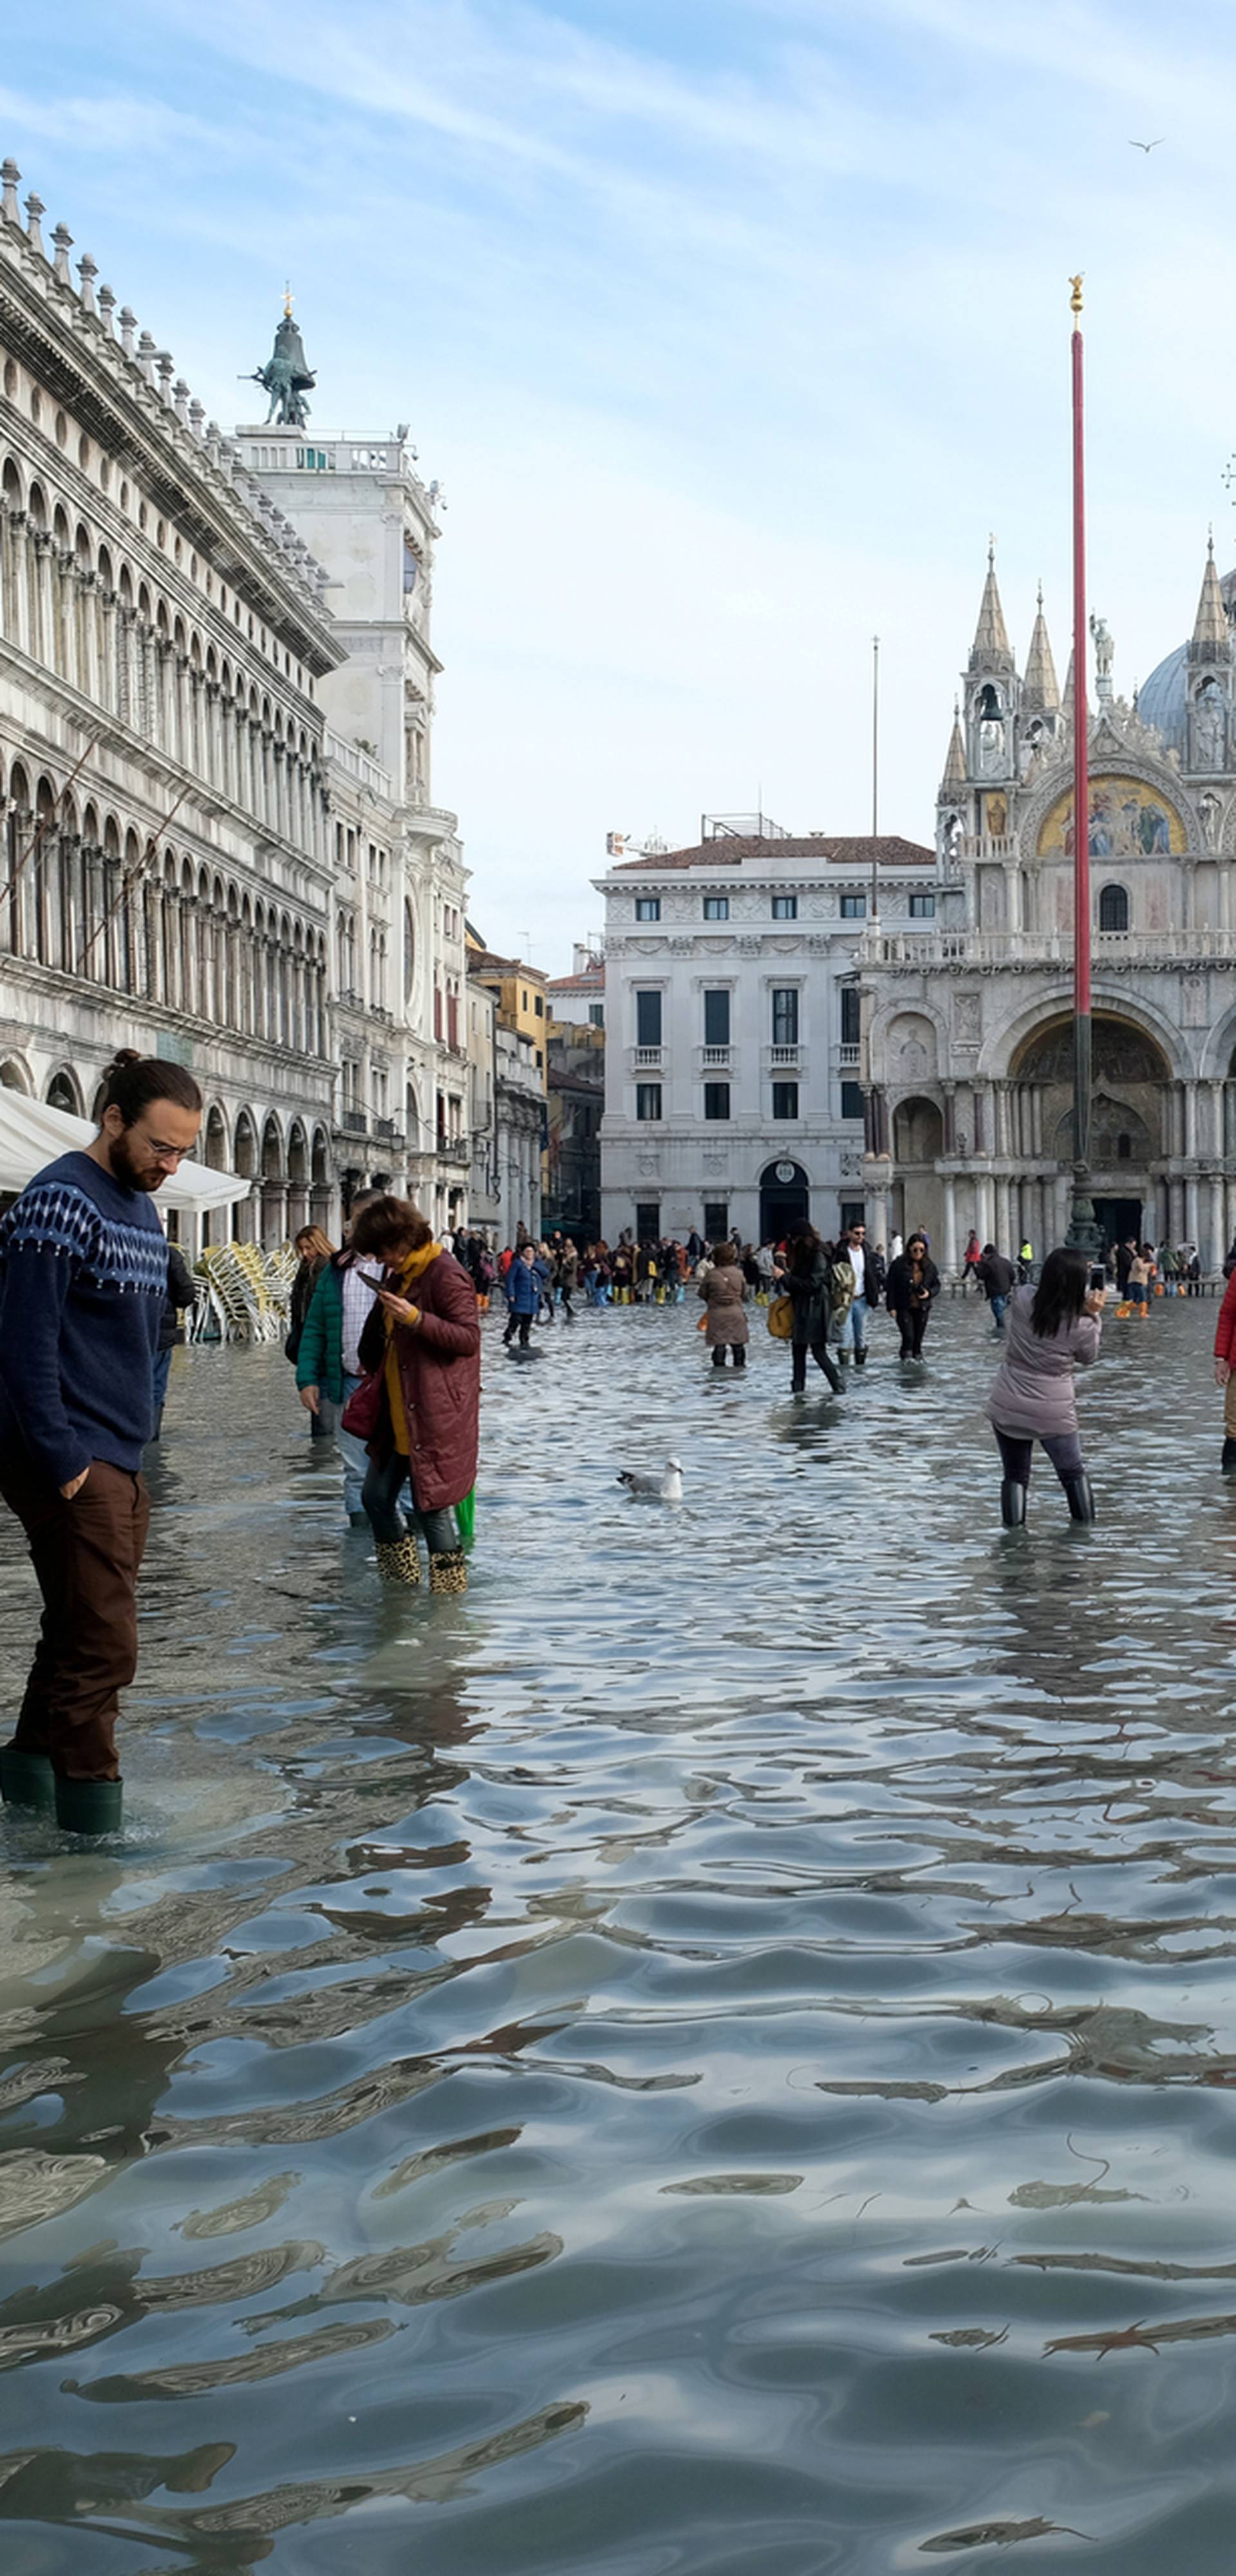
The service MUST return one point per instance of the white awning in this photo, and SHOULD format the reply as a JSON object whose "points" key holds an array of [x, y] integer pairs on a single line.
{"points": [[32, 1134]]}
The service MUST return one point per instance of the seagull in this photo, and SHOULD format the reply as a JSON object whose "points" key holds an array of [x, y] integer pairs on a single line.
{"points": [[665, 1488], [1135, 146]]}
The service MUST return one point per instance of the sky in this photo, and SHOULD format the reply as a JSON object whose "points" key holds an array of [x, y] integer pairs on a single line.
{"points": [[731, 329]]}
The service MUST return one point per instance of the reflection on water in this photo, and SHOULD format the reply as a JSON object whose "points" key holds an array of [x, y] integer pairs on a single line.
{"points": [[706, 2056]]}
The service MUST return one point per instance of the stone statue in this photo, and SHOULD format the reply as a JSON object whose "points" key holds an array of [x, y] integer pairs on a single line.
{"points": [[1104, 650], [287, 377], [1208, 726]]}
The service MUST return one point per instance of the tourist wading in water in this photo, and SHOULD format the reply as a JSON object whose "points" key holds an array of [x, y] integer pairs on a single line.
{"points": [[807, 1281], [913, 1285], [83, 1278], [724, 1314], [420, 1401], [1053, 1330]]}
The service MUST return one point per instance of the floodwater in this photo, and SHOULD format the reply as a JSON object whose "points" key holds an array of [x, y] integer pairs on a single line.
{"points": [[713, 2056]]}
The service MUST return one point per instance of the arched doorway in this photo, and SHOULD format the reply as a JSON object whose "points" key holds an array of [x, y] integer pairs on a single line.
{"points": [[918, 1143], [274, 1225], [62, 1093], [298, 1179], [1132, 1125], [319, 1181], [785, 1200]]}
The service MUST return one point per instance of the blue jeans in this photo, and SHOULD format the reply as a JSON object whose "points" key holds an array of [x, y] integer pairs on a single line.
{"points": [[854, 1329], [997, 1305], [352, 1451], [162, 1368]]}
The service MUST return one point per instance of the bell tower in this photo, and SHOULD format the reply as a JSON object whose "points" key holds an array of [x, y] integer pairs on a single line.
{"points": [[1208, 739], [992, 700]]}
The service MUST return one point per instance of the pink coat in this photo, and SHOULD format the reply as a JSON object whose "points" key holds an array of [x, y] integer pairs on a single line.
{"points": [[1034, 1397]]}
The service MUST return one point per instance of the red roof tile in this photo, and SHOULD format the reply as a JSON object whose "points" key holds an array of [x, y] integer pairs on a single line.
{"points": [[847, 851]]}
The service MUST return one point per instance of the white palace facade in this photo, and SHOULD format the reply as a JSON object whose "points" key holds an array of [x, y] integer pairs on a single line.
{"points": [[202, 852], [967, 1040]]}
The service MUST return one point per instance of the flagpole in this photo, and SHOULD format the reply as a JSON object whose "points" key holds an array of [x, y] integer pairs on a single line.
{"points": [[1083, 1232]]}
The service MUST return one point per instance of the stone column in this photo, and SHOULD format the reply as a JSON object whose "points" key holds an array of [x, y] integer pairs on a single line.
{"points": [[1002, 1234], [1189, 1090], [951, 1263], [1191, 1210], [1211, 1253], [983, 1198]]}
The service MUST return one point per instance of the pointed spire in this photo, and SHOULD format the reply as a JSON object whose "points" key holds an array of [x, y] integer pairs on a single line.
{"points": [[991, 650], [1040, 688], [1211, 640], [953, 782]]}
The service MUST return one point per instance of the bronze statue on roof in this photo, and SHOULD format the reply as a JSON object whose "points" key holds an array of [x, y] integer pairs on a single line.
{"points": [[287, 377]]}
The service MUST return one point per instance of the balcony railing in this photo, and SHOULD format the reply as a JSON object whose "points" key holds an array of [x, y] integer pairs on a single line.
{"points": [[1043, 947], [783, 1055], [715, 1055], [355, 1122], [848, 1054], [647, 1055]]}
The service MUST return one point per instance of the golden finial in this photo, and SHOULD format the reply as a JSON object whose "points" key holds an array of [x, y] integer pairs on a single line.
{"points": [[287, 300], [1076, 297]]}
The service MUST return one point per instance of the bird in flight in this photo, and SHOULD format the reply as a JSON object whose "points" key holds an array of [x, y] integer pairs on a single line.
{"points": [[1135, 146]]}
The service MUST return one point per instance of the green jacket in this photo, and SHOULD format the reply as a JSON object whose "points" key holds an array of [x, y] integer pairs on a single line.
{"points": [[319, 1359]]}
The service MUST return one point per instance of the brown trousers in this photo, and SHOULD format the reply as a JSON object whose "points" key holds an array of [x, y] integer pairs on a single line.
{"points": [[86, 1555]]}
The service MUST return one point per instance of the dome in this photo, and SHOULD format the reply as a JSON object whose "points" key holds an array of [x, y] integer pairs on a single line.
{"points": [[1163, 699]]}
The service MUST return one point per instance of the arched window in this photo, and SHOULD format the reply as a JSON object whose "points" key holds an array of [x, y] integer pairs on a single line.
{"points": [[1113, 908], [1124, 1149]]}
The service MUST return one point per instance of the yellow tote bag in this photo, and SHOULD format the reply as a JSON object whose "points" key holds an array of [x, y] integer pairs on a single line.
{"points": [[781, 1319]]}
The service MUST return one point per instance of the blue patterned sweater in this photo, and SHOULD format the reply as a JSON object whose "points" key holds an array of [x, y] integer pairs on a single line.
{"points": [[83, 1275]]}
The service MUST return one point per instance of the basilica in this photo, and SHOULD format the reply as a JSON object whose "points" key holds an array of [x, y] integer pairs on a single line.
{"points": [[967, 1024]]}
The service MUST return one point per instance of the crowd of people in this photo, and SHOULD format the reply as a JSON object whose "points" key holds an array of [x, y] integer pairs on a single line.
{"points": [[385, 1336]]}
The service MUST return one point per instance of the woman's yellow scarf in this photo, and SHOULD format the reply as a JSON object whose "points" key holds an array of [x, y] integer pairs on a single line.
{"points": [[414, 1268]]}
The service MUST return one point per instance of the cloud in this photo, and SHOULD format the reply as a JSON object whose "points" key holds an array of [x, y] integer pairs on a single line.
{"points": [[731, 330]]}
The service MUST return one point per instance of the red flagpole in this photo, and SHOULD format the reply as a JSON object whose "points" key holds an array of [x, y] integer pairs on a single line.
{"points": [[1082, 1230]]}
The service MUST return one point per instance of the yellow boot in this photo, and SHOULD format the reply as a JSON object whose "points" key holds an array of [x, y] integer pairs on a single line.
{"points": [[398, 1561], [449, 1571]]}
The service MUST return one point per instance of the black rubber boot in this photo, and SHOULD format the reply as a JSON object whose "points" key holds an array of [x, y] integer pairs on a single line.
{"points": [[1228, 1460], [860, 1355], [740, 1355], [27, 1780], [90, 1806], [718, 1357], [1012, 1503], [1080, 1497], [833, 1375]]}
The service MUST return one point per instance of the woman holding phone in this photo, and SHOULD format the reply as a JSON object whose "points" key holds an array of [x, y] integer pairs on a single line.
{"points": [[420, 1402]]}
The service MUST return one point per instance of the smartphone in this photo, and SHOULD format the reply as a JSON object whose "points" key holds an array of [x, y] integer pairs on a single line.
{"points": [[1098, 1277]]}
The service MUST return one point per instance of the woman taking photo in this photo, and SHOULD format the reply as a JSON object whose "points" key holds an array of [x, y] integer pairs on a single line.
{"points": [[912, 1286], [806, 1278], [418, 1406], [1053, 1330]]}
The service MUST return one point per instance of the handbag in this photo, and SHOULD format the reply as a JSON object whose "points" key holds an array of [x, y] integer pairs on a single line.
{"points": [[291, 1347], [363, 1410], [781, 1319]]}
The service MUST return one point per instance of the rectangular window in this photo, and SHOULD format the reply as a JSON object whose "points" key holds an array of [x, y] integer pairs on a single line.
{"points": [[851, 1100], [538, 1006], [785, 1015], [647, 1220], [648, 907], [853, 1212], [596, 1015], [648, 1019], [854, 907], [716, 1100], [716, 907], [648, 1100], [716, 1220], [785, 1099], [717, 1019], [785, 907], [922, 907], [851, 1015]]}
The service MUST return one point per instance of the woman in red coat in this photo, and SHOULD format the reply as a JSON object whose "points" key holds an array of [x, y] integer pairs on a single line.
{"points": [[422, 1347], [1225, 1369]]}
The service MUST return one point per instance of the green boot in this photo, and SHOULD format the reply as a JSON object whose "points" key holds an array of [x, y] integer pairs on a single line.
{"points": [[398, 1561], [27, 1779], [89, 1806]]}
